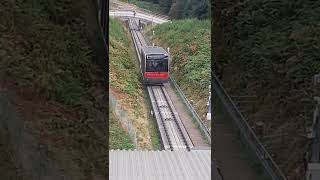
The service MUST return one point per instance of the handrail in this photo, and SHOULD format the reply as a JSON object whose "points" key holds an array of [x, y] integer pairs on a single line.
{"points": [[203, 127], [145, 10], [150, 13], [252, 140], [154, 13], [142, 15]]}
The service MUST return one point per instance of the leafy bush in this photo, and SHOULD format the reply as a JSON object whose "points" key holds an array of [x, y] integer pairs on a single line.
{"points": [[123, 73], [45, 49], [272, 51], [148, 5], [118, 138], [57, 57], [190, 49]]}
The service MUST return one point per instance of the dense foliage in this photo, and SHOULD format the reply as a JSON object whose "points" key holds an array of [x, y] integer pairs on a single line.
{"points": [[124, 79], [56, 56], [154, 7], [190, 49], [271, 49], [179, 9], [122, 70], [45, 51], [118, 138]]}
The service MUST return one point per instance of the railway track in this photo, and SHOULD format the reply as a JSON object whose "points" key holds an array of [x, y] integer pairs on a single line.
{"points": [[172, 131]]}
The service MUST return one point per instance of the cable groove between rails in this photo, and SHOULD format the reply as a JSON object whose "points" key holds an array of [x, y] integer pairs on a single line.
{"points": [[175, 130]]}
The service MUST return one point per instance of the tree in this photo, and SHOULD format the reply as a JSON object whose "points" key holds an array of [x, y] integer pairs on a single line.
{"points": [[200, 8], [177, 8], [165, 5], [180, 9]]}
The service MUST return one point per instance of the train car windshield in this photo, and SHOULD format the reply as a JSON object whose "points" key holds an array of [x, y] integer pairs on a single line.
{"points": [[157, 65]]}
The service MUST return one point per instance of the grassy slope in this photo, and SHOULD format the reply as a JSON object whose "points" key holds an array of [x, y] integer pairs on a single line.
{"points": [[57, 57], [274, 52], [124, 79], [45, 52], [122, 70], [190, 48], [118, 138]]}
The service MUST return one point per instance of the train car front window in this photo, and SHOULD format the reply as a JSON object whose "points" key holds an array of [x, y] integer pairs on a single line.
{"points": [[157, 65]]}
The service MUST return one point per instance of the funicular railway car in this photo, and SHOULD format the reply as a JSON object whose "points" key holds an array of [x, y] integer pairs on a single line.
{"points": [[154, 65]]}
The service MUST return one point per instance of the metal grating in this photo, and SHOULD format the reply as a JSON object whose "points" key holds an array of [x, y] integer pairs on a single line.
{"points": [[160, 165]]}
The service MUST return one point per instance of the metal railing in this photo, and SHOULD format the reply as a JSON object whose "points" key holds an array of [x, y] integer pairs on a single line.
{"points": [[154, 13], [203, 127], [140, 15], [145, 11], [270, 167]]}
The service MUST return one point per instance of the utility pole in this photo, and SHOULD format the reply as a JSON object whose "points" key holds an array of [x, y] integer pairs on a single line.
{"points": [[209, 105], [169, 57]]}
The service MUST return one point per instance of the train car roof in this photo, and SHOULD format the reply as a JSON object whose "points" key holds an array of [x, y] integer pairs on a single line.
{"points": [[154, 50]]}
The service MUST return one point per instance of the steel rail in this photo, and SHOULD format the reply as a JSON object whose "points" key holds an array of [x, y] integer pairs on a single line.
{"points": [[180, 125], [169, 119], [161, 118], [173, 133], [170, 124]]}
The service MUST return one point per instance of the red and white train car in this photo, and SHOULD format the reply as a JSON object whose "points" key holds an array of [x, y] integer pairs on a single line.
{"points": [[154, 65]]}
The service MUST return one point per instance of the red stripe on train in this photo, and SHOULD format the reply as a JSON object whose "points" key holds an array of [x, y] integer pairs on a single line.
{"points": [[156, 75]]}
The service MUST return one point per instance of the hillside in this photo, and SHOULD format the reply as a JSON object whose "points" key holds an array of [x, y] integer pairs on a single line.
{"points": [[125, 84], [190, 49], [118, 137], [154, 7], [270, 49], [50, 73], [176, 9]]}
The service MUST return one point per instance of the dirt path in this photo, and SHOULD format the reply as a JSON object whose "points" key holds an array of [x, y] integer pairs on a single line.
{"points": [[186, 118], [232, 159]]}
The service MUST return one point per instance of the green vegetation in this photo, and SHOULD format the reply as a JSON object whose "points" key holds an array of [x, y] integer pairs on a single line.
{"points": [[46, 54], [122, 76], [155, 134], [122, 69], [181, 9], [125, 78], [271, 49], [147, 5], [190, 49], [55, 55], [194, 121], [177, 9], [118, 138]]}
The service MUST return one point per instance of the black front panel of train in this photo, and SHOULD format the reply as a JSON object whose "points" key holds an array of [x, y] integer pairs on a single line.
{"points": [[157, 63]]}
